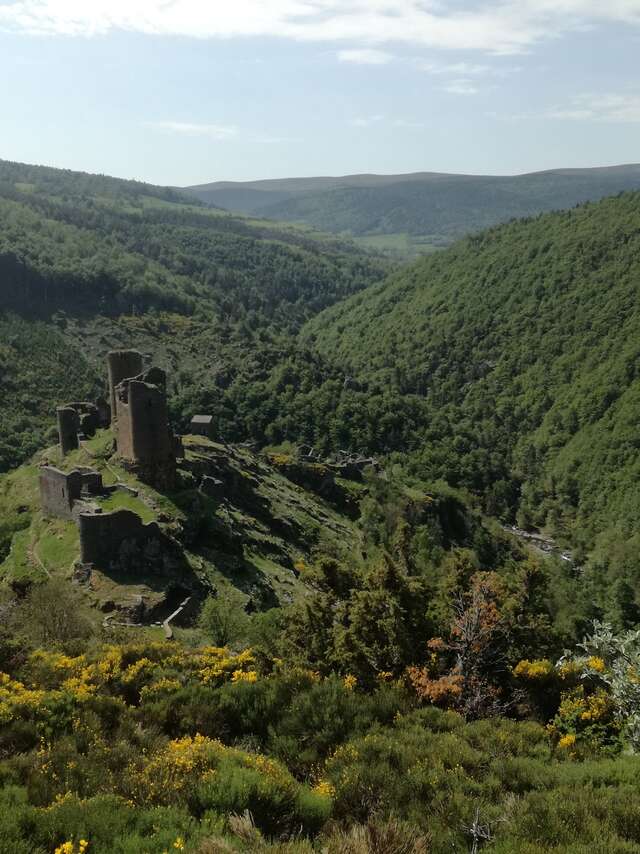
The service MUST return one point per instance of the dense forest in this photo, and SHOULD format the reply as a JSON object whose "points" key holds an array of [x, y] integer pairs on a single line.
{"points": [[514, 357]]}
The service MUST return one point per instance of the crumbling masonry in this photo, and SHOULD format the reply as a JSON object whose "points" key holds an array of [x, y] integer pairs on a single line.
{"points": [[138, 415], [103, 537], [61, 492], [146, 446], [144, 440], [80, 419]]}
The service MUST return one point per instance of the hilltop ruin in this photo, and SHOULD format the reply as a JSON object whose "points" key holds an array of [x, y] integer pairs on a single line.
{"points": [[137, 412], [145, 445]]}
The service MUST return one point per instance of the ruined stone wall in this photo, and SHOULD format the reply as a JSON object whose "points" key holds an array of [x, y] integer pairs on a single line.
{"points": [[104, 412], [91, 482], [88, 416], [68, 426], [143, 435], [122, 365], [59, 491], [102, 536]]}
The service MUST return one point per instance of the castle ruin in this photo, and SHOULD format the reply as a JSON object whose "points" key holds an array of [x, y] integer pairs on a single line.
{"points": [[80, 419], [144, 439], [68, 425], [202, 425], [118, 540], [138, 415], [145, 445], [121, 365]]}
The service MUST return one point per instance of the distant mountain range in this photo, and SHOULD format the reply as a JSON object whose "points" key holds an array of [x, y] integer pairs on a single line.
{"points": [[416, 212]]}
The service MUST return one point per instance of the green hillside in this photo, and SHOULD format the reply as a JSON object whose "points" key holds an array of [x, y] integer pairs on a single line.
{"points": [[90, 262], [509, 364], [361, 658], [369, 669], [421, 211]]}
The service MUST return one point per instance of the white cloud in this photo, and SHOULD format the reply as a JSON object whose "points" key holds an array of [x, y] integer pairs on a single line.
{"points": [[365, 56], [600, 108], [461, 87], [494, 26], [217, 132], [617, 108], [465, 74], [465, 69], [366, 121]]}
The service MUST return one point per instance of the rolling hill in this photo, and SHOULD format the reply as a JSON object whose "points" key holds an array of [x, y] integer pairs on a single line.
{"points": [[413, 213]]}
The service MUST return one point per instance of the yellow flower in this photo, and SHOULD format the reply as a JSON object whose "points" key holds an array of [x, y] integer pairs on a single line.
{"points": [[567, 741], [82, 846], [325, 789], [596, 663], [539, 669], [161, 686], [179, 844], [142, 666], [350, 681], [569, 669], [244, 676]]}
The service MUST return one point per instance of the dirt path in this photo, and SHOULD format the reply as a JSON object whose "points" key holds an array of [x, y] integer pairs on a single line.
{"points": [[34, 558]]}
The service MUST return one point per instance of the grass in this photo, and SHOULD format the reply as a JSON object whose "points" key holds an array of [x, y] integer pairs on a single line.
{"points": [[17, 566], [278, 522], [120, 500], [58, 545], [46, 547]]}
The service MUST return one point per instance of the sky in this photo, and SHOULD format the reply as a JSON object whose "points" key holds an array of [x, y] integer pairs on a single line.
{"points": [[179, 92]]}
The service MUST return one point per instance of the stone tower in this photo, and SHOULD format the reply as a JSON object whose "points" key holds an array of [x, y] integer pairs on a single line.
{"points": [[122, 365], [68, 425], [143, 436]]}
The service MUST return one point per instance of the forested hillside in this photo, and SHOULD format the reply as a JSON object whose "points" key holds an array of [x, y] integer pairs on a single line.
{"points": [[89, 262], [510, 364], [422, 210], [370, 661]]}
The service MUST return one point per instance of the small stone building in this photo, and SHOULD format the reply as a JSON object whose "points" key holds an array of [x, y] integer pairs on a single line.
{"points": [[202, 425], [60, 491]]}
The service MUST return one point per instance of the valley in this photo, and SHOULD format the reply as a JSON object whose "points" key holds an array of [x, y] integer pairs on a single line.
{"points": [[410, 215], [303, 549]]}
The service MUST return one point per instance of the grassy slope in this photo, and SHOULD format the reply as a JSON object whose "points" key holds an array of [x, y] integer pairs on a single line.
{"points": [[522, 343], [257, 539]]}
